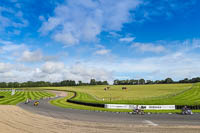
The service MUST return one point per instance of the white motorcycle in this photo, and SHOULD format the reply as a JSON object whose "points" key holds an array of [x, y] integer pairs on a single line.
{"points": [[187, 112]]}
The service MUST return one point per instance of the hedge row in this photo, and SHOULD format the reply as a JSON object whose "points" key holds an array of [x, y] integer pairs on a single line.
{"points": [[84, 103]]}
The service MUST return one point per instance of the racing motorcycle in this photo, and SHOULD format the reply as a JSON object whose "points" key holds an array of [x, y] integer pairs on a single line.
{"points": [[186, 111], [138, 112]]}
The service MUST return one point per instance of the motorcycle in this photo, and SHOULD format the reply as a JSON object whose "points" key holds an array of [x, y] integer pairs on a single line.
{"points": [[187, 112], [138, 112], [36, 103], [27, 101]]}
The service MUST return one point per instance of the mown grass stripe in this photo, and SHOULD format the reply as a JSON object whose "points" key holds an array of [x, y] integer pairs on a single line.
{"points": [[21, 96]]}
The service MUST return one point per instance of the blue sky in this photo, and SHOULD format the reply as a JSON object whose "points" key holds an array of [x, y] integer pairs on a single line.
{"points": [[54, 40]]}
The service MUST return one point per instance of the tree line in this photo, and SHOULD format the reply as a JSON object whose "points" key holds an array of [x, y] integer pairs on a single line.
{"points": [[50, 84], [165, 81], [93, 82]]}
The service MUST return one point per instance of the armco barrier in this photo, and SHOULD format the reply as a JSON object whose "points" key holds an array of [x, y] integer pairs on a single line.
{"points": [[193, 107]]}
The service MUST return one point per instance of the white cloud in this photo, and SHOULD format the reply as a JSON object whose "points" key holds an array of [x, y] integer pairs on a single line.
{"points": [[114, 34], [57, 71], [190, 44], [9, 50], [85, 72], [148, 47], [6, 42], [31, 56], [22, 53], [177, 64], [53, 71], [127, 39], [77, 21], [99, 46], [102, 52], [36, 57], [67, 38], [5, 67], [52, 67], [15, 19], [10, 47]]}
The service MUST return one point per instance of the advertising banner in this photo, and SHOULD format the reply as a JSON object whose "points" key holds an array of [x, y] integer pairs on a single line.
{"points": [[117, 106], [145, 107]]}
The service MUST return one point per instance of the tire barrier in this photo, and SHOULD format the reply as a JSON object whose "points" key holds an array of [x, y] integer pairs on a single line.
{"points": [[1, 96]]}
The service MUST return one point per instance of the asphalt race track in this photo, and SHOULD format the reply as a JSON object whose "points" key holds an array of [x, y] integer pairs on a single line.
{"points": [[45, 108]]}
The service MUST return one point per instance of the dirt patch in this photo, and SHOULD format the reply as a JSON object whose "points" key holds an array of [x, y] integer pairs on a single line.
{"points": [[15, 119]]}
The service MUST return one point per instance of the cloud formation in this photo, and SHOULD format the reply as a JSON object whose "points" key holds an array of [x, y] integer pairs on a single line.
{"points": [[176, 64], [77, 21], [5, 67], [148, 47], [127, 39], [14, 19], [101, 50]]}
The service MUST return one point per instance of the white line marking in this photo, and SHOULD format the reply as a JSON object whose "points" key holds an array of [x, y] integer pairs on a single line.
{"points": [[150, 123]]}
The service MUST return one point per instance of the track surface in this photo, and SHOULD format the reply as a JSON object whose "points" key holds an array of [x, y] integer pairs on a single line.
{"points": [[45, 108]]}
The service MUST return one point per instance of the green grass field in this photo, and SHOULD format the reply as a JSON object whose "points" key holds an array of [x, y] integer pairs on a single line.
{"points": [[137, 94], [134, 92], [186, 96], [21, 96]]}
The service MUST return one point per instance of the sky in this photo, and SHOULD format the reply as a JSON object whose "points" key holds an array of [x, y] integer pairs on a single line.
{"points": [[55, 40]]}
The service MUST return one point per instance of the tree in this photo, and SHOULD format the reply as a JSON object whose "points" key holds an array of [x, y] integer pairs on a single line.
{"points": [[116, 82], [149, 82], [141, 81], [168, 80], [92, 82], [3, 85], [79, 82], [105, 82]]}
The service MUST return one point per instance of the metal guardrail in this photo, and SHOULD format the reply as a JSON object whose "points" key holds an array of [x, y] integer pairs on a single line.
{"points": [[192, 107]]}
